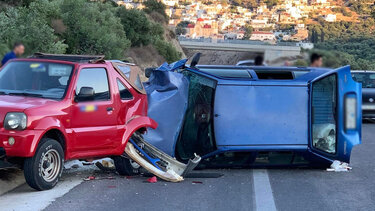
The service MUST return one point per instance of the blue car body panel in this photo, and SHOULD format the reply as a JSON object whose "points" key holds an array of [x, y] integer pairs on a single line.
{"points": [[167, 94], [251, 114], [246, 115]]}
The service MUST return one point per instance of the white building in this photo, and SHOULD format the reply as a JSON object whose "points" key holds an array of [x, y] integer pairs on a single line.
{"points": [[330, 18], [170, 3], [262, 36]]}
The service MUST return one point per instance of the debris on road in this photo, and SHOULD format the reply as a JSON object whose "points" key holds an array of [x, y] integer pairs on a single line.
{"points": [[152, 180], [105, 164], [196, 182], [89, 178], [338, 166], [98, 178], [149, 158]]}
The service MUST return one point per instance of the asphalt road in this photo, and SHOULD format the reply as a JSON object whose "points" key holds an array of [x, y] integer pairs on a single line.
{"points": [[238, 189]]}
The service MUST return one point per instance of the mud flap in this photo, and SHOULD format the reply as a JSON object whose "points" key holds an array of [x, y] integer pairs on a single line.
{"points": [[156, 161]]}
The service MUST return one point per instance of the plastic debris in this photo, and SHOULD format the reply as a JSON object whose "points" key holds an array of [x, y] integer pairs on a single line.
{"points": [[89, 178], [197, 182], [338, 166], [152, 179], [97, 178], [108, 163]]}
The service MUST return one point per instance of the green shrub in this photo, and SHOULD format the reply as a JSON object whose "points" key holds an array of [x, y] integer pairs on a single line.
{"points": [[136, 26], [300, 63], [154, 6], [93, 28], [167, 50], [30, 26]]}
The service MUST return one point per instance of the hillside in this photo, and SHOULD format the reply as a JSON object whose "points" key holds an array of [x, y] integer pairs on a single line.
{"points": [[88, 27]]}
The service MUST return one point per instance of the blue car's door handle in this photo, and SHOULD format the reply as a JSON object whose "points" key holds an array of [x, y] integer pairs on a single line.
{"points": [[217, 115]]}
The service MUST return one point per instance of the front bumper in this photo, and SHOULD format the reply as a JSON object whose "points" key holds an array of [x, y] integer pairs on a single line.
{"points": [[25, 142]]}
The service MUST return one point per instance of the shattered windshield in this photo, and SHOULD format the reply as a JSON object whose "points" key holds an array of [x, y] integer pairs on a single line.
{"points": [[367, 79], [35, 79]]}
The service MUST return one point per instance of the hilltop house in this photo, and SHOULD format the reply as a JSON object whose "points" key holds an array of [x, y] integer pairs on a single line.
{"points": [[263, 36]]}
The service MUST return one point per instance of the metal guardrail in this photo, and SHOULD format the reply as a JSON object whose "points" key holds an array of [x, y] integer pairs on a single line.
{"points": [[245, 42]]}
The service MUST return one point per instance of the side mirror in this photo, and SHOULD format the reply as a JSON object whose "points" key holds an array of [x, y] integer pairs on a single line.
{"points": [[85, 94]]}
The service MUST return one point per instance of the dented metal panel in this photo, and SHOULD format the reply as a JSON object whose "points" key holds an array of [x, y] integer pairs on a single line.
{"points": [[167, 94]]}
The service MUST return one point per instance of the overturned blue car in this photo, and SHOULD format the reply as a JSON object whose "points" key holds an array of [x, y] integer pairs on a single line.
{"points": [[248, 116]]}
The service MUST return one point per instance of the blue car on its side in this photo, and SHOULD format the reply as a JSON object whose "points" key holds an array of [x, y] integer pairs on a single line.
{"points": [[314, 114]]}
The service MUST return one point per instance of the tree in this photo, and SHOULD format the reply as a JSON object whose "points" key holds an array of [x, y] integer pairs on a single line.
{"points": [[248, 31], [93, 28], [30, 26], [154, 6], [136, 26], [180, 30]]}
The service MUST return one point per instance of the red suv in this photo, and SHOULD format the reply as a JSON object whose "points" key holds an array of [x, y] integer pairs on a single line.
{"points": [[56, 107]]}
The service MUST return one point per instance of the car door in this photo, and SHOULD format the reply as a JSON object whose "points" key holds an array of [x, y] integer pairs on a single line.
{"points": [[336, 114], [94, 120]]}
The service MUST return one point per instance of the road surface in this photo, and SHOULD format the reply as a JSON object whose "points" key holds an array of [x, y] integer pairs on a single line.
{"points": [[238, 189]]}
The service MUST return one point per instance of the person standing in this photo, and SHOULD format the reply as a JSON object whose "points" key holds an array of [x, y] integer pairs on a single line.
{"points": [[316, 60], [18, 50]]}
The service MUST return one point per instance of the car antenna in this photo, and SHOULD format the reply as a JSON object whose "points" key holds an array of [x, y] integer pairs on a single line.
{"points": [[195, 59]]}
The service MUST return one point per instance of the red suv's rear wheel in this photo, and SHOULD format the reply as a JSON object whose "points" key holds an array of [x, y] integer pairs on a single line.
{"points": [[43, 171], [126, 166]]}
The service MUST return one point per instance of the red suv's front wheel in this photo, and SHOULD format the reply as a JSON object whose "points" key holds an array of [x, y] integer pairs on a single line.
{"points": [[43, 171]]}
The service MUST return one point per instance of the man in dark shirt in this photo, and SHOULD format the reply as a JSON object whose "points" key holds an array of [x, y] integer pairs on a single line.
{"points": [[18, 50]]}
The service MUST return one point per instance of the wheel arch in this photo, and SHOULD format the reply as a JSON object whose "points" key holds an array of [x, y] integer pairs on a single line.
{"points": [[138, 123], [53, 133]]}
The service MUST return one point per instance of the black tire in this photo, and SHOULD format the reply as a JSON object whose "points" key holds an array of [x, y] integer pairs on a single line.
{"points": [[34, 166], [125, 166]]}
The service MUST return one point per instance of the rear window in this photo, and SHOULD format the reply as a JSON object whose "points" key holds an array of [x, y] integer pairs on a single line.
{"points": [[367, 79]]}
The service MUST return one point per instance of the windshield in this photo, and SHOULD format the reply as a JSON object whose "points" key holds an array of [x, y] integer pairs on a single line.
{"points": [[367, 79], [35, 79]]}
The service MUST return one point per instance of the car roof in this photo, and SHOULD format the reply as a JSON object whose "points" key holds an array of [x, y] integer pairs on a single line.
{"points": [[300, 75], [69, 57]]}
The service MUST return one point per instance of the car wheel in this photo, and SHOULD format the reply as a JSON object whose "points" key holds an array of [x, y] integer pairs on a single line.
{"points": [[43, 171], [125, 166]]}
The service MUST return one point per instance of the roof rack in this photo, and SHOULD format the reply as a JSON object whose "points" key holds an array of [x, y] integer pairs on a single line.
{"points": [[70, 58]]}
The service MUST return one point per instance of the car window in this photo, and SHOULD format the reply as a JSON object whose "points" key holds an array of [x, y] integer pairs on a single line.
{"points": [[367, 79], [37, 79], [138, 83], [125, 69], [124, 92], [97, 79]]}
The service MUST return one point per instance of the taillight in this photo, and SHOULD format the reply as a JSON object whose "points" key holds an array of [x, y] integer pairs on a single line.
{"points": [[350, 112]]}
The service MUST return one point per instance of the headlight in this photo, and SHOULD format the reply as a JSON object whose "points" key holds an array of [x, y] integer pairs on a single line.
{"points": [[15, 121], [350, 113]]}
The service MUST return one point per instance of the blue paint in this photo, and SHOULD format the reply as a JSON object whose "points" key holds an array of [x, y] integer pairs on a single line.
{"points": [[153, 161], [251, 114]]}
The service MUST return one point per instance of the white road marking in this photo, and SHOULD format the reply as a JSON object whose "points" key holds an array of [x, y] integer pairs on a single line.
{"points": [[264, 200], [24, 198]]}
